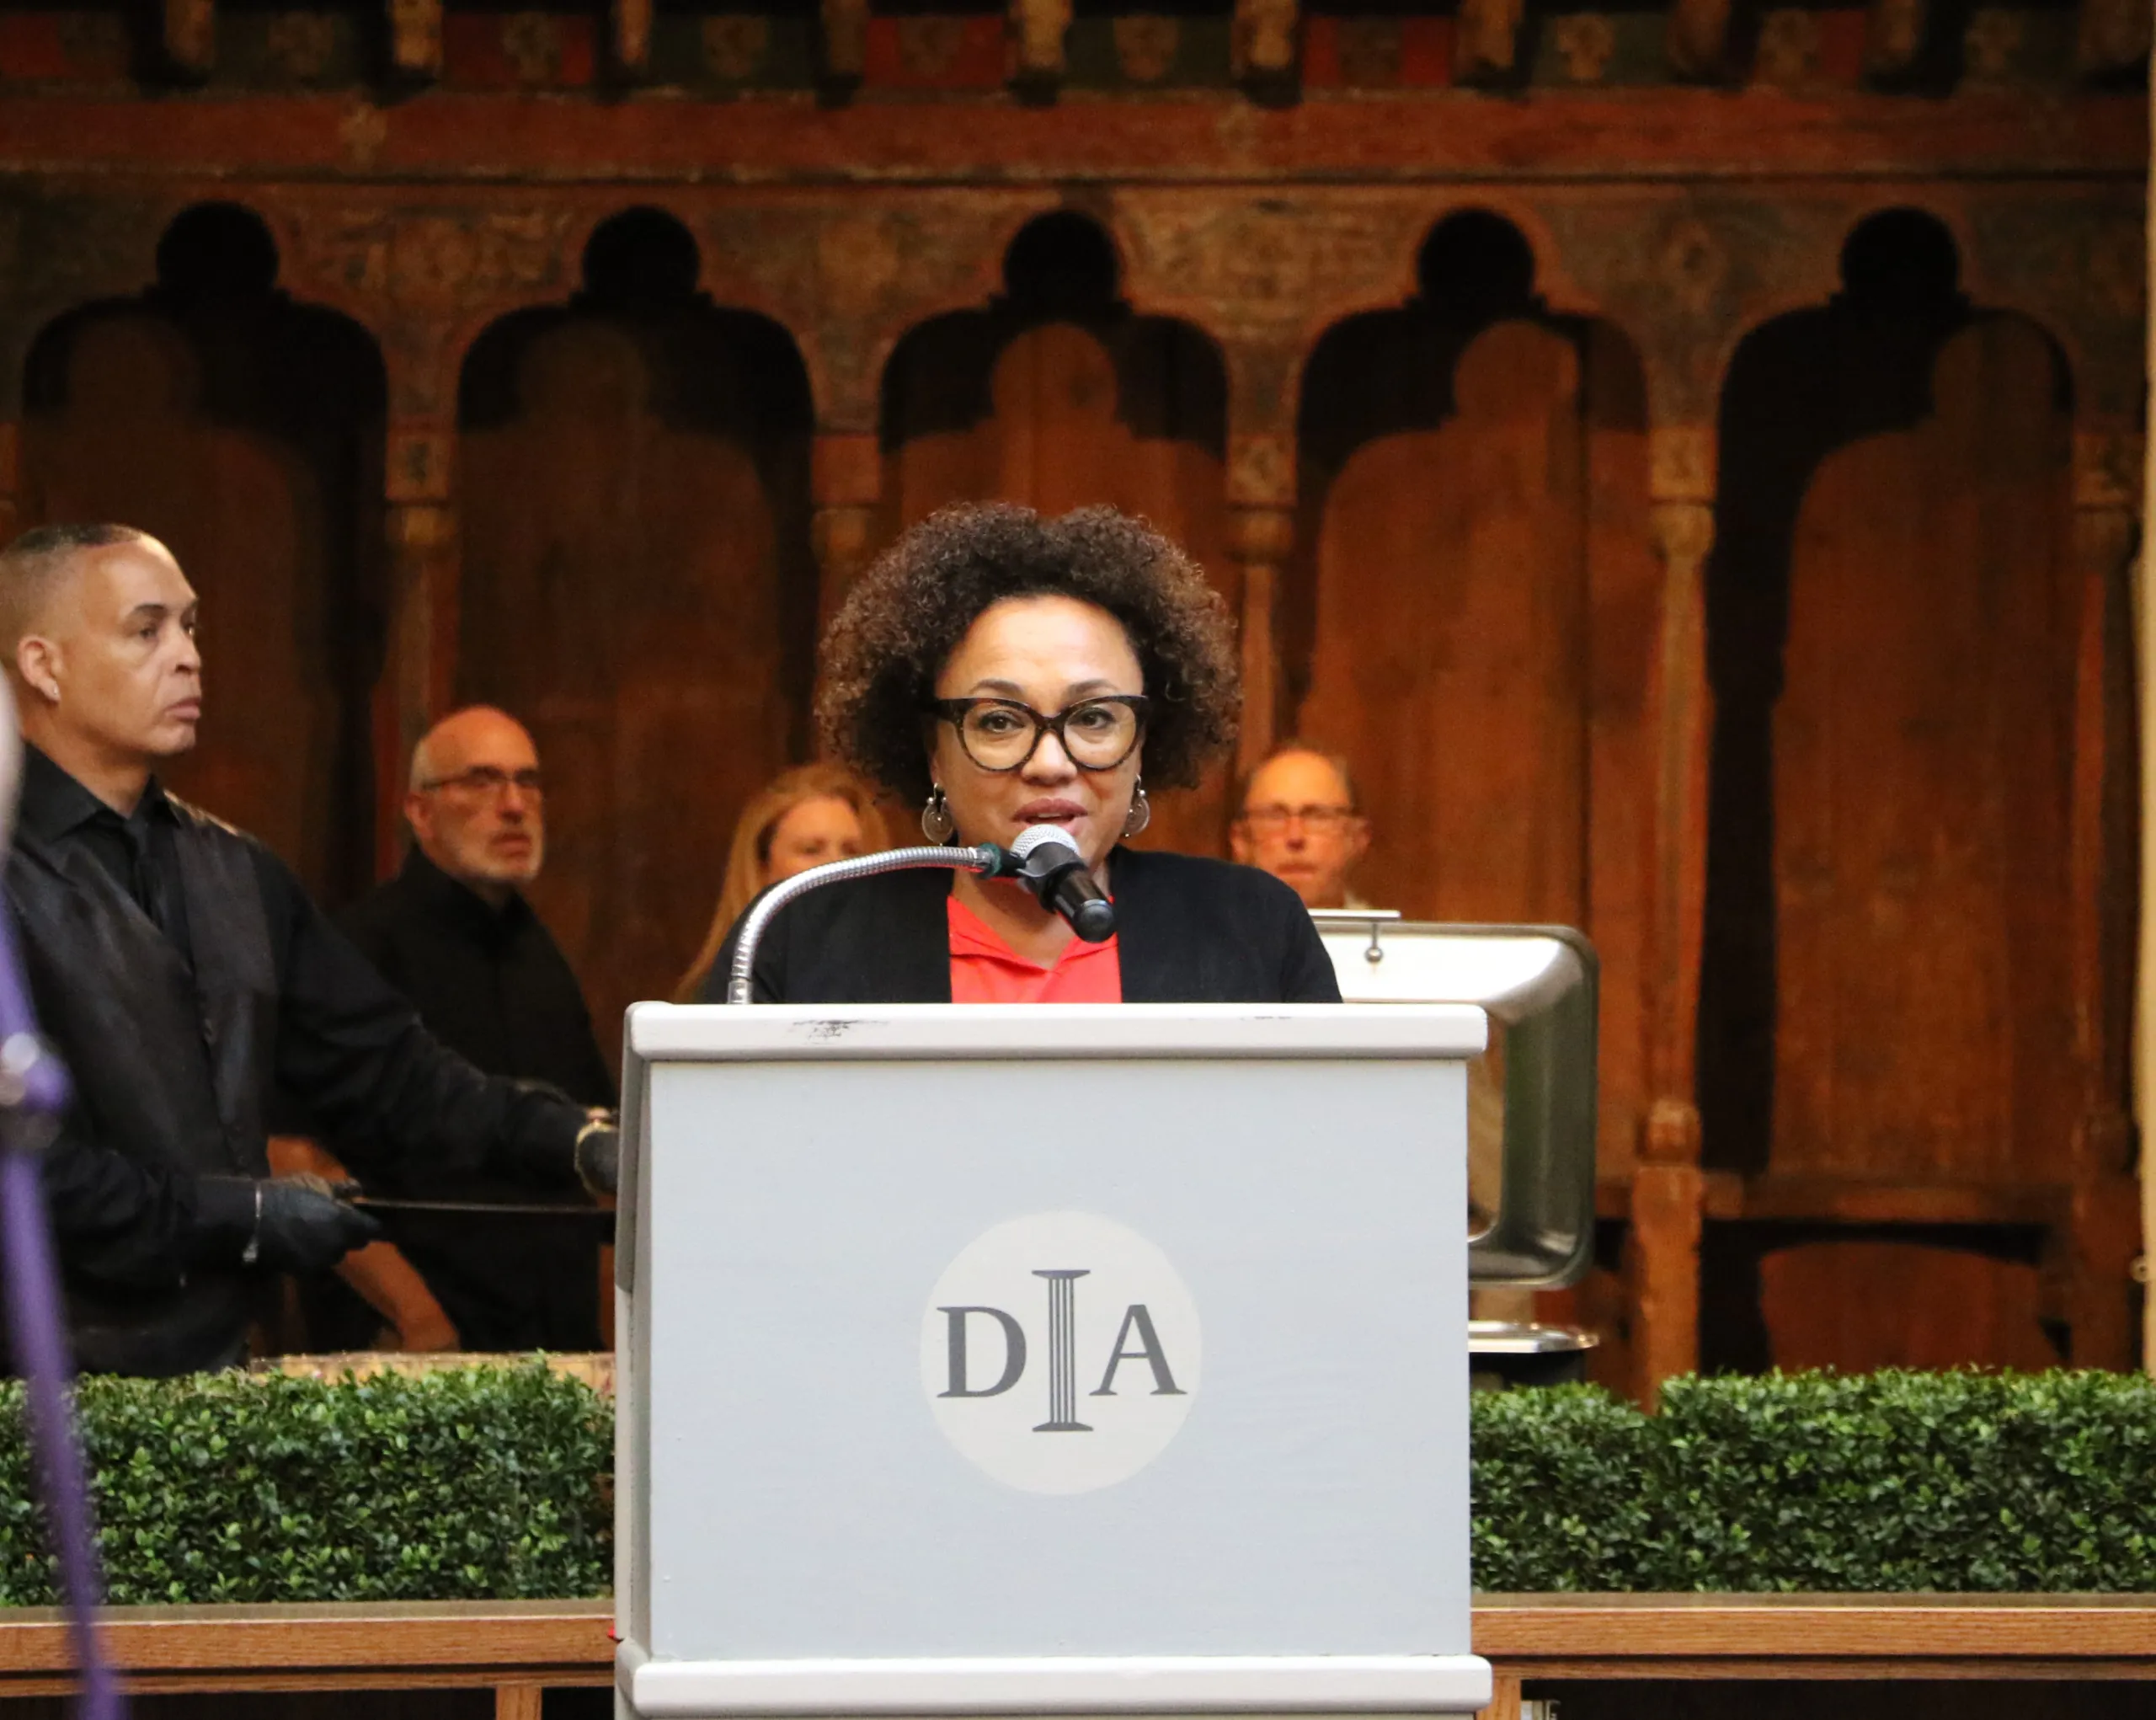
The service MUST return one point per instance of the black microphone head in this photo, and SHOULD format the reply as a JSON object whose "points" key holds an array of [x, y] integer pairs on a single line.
{"points": [[1094, 920]]}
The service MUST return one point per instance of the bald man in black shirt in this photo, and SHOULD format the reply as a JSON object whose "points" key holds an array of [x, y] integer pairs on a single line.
{"points": [[453, 934]]}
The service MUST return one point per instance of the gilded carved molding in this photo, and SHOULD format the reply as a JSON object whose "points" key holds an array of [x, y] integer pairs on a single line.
{"points": [[1697, 39], [1486, 46], [1038, 31], [1684, 279], [431, 260], [842, 39], [421, 464], [190, 35], [847, 281], [2077, 264], [1264, 38], [415, 37], [1240, 266], [2109, 471], [1683, 273], [631, 34]]}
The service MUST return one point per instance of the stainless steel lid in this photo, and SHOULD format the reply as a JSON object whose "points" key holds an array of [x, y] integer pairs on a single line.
{"points": [[1524, 1338]]}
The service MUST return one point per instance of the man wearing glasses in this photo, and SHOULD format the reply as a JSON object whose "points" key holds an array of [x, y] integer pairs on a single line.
{"points": [[1299, 820], [453, 932], [183, 975]]}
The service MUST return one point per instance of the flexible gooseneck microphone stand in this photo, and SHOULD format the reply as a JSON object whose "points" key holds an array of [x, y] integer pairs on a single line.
{"points": [[989, 860], [33, 1093]]}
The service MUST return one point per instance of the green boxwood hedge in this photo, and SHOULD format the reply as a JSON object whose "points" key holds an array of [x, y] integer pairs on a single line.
{"points": [[494, 1482], [1870, 1484], [487, 1483]]}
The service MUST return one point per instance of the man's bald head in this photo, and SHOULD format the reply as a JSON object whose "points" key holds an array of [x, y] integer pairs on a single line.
{"points": [[1299, 820], [463, 738], [475, 804], [99, 626], [37, 569]]}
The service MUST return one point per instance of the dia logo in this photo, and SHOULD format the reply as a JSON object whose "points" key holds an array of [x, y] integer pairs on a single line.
{"points": [[1059, 1351]]}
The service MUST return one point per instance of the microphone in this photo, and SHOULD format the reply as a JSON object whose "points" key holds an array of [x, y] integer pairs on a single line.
{"points": [[1050, 866]]}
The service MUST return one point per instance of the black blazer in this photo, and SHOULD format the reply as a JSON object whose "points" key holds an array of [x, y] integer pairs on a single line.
{"points": [[1189, 930]]}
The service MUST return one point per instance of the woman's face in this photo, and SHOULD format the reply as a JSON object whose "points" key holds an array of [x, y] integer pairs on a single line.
{"points": [[1049, 653], [809, 833]]}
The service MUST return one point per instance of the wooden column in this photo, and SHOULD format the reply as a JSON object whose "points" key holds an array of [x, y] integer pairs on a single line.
{"points": [[420, 679], [1667, 1188], [1504, 1698], [1261, 541], [2103, 1230], [2143, 1048], [846, 484]]}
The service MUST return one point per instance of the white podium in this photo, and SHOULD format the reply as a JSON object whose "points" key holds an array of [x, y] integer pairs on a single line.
{"points": [[1101, 1360]]}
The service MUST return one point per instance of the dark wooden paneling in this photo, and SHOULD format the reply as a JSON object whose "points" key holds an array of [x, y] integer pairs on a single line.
{"points": [[1875, 1302], [245, 432], [1479, 616], [1921, 746], [636, 589], [1449, 659], [1060, 414]]}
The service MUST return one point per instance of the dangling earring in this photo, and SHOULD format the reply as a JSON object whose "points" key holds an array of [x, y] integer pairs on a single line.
{"points": [[1141, 810], [936, 823]]}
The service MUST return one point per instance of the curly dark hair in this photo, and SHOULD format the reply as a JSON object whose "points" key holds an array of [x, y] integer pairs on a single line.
{"points": [[902, 621]]}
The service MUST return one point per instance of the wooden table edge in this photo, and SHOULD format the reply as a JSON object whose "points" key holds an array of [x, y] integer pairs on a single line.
{"points": [[1537, 1636]]}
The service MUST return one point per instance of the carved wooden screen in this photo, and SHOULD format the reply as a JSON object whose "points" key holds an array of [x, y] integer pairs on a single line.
{"points": [[244, 432], [1477, 633], [1888, 1004], [636, 589], [1922, 817], [1062, 413]]}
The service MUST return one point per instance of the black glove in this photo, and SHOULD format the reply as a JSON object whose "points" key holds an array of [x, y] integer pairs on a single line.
{"points": [[300, 1227], [599, 1156]]}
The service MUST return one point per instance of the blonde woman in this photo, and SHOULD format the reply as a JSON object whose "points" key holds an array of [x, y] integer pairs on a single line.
{"points": [[811, 814]]}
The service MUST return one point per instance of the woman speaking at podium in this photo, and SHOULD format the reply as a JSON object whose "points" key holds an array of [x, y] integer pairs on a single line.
{"points": [[1004, 670]]}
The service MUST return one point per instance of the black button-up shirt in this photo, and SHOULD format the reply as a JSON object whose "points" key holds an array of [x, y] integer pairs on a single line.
{"points": [[491, 984], [138, 850], [347, 1045]]}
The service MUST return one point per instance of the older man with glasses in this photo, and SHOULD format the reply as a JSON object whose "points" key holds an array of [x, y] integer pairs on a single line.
{"points": [[1299, 820], [453, 932]]}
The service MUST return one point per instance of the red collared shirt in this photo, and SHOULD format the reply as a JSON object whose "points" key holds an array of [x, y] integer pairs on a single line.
{"points": [[985, 970]]}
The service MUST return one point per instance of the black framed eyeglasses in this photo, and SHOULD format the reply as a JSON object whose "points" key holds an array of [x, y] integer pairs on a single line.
{"points": [[1001, 735], [491, 779]]}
